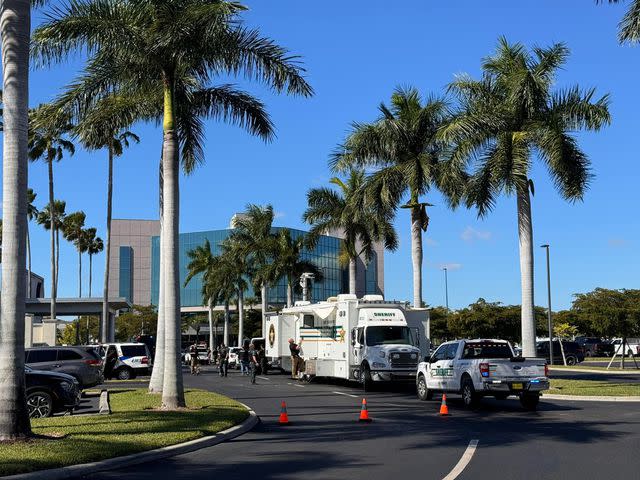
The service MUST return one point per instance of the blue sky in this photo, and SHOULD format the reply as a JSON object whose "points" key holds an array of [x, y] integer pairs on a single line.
{"points": [[356, 53]]}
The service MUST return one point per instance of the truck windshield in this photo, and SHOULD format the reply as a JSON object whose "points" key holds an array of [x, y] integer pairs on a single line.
{"points": [[389, 335], [487, 350]]}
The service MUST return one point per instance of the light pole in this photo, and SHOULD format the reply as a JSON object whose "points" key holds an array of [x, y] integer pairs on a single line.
{"points": [[446, 288], [549, 323]]}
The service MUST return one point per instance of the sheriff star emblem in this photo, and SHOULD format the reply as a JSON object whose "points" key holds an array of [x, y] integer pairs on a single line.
{"points": [[342, 333]]}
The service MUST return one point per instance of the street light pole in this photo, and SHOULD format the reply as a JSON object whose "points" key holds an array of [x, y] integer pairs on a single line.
{"points": [[446, 288], [549, 323]]}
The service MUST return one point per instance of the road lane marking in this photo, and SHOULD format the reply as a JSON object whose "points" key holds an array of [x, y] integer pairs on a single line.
{"points": [[464, 461], [296, 385], [345, 394], [264, 378]]}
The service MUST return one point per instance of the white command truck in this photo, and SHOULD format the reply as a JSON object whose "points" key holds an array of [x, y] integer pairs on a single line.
{"points": [[477, 368], [366, 340]]}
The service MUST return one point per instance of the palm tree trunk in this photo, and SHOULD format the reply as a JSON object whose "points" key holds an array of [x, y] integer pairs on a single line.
{"points": [[52, 219], [240, 316], [15, 27], [226, 323], [57, 258], [416, 254], [157, 374], [28, 262], [104, 324], [211, 333], [352, 276], [90, 272], [289, 293], [173, 389], [263, 296], [79, 273], [525, 236]]}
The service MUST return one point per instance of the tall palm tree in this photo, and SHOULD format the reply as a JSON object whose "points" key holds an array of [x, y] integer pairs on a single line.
{"points": [[73, 231], [104, 126], [288, 262], [240, 266], [253, 232], [630, 24], [201, 263], [48, 142], [403, 145], [32, 214], [52, 220], [346, 211], [511, 116], [94, 246], [168, 52], [15, 26]]}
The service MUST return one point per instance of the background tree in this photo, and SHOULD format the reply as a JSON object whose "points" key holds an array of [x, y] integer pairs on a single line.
{"points": [[403, 144], [201, 262], [94, 246], [239, 265], [630, 24], [345, 212], [73, 231], [140, 320], [507, 117], [32, 214], [52, 219]]}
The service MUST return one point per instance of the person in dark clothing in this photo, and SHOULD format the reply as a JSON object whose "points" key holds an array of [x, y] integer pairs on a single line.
{"points": [[295, 358], [262, 357], [244, 360], [253, 362], [224, 360]]}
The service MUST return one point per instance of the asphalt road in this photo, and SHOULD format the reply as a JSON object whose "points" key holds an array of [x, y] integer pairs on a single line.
{"points": [[569, 440]]}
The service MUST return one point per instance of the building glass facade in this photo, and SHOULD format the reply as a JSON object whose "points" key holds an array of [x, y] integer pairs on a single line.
{"points": [[125, 282]]}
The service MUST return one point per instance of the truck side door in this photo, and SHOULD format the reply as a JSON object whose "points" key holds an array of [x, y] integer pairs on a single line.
{"points": [[449, 380], [437, 370]]}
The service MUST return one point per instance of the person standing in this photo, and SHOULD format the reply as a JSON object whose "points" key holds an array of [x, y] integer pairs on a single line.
{"points": [[223, 357], [253, 362], [244, 360], [195, 361], [262, 357], [294, 348]]}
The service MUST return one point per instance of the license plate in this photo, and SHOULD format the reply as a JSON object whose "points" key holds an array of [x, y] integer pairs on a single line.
{"points": [[516, 386]]}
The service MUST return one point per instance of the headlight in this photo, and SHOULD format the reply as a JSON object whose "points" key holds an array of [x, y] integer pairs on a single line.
{"points": [[414, 356], [378, 365], [382, 354]]}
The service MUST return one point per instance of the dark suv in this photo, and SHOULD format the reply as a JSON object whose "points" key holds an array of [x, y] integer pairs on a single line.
{"points": [[85, 366], [595, 347], [48, 393], [572, 351]]}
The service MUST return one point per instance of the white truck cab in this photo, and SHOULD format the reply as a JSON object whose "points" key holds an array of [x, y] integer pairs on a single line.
{"points": [[366, 340], [482, 367]]}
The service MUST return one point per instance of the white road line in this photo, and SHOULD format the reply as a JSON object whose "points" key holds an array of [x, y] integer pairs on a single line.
{"points": [[464, 461], [264, 378], [296, 385], [345, 394]]}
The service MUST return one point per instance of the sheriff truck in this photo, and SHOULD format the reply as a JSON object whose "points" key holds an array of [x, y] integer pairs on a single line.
{"points": [[365, 340]]}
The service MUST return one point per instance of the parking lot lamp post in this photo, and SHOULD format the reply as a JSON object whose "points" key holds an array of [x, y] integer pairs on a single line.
{"points": [[549, 323], [446, 288]]}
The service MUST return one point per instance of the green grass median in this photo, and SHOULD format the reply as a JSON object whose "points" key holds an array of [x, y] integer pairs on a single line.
{"points": [[135, 425], [593, 388]]}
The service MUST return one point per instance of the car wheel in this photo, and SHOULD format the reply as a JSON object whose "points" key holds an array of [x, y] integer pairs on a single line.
{"points": [[529, 401], [571, 360], [365, 378], [423, 391], [39, 405], [469, 395], [588, 353], [124, 374], [501, 396]]}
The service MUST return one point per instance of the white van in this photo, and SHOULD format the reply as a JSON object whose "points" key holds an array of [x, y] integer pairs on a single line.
{"points": [[125, 360]]}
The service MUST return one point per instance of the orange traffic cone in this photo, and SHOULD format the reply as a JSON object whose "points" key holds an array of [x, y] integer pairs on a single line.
{"points": [[364, 413], [284, 418], [444, 410]]}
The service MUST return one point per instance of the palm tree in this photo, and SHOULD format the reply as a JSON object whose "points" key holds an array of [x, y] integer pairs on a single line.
{"points": [[47, 142], [346, 211], [15, 26], [52, 221], [253, 233], [403, 144], [73, 231], [630, 24], [239, 265], [166, 53], [288, 262], [202, 262], [32, 214], [506, 117], [94, 246]]}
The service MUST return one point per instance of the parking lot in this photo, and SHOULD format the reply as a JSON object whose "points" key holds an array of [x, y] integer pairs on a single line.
{"points": [[563, 439]]}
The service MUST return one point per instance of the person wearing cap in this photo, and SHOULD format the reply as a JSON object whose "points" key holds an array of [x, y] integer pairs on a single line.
{"points": [[294, 348]]}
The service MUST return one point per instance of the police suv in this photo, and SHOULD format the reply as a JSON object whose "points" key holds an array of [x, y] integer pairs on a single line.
{"points": [[482, 367]]}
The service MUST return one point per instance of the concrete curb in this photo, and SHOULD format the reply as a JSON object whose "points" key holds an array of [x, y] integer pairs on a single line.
{"points": [[75, 471], [587, 398], [591, 370]]}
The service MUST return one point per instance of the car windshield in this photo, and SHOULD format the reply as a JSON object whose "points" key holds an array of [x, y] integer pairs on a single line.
{"points": [[486, 350], [384, 335]]}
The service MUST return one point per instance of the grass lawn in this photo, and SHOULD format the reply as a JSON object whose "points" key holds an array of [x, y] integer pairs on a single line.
{"points": [[593, 388], [135, 425]]}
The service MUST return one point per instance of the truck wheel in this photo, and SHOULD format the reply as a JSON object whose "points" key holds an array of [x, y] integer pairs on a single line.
{"points": [[365, 378], [588, 353], [423, 391], [530, 401], [469, 395], [571, 360]]}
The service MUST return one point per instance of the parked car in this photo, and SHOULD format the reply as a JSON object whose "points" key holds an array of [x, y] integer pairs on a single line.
{"points": [[125, 360], [632, 346], [234, 361], [572, 351], [82, 364], [595, 347], [50, 392]]}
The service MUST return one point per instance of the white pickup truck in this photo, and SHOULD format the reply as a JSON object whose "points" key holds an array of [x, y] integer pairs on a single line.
{"points": [[483, 367]]}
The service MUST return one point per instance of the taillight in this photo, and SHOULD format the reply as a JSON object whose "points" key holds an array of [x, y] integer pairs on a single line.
{"points": [[93, 362], [546, 370], [484, 369], [144, 361]]}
